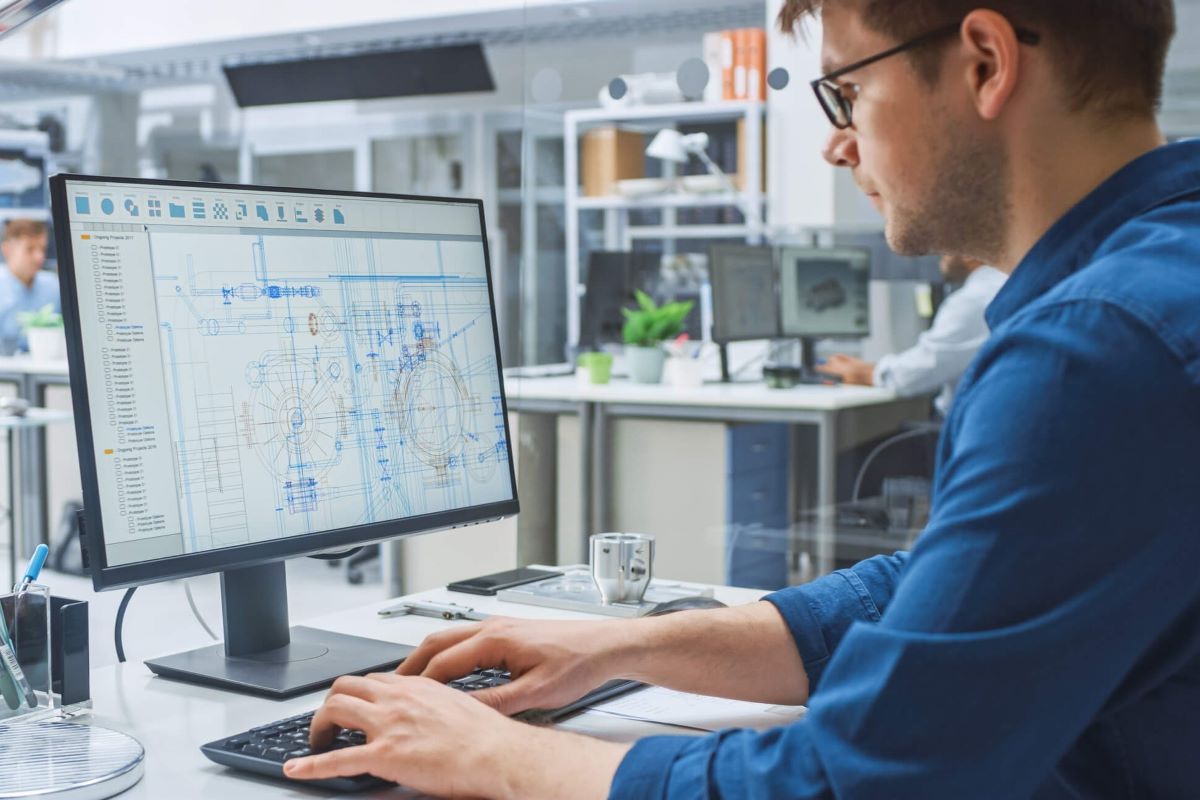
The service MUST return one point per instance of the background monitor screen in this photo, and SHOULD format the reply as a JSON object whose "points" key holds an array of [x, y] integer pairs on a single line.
{"points": [[272, 373], [612, 278], [745, 299], [824, 292]]}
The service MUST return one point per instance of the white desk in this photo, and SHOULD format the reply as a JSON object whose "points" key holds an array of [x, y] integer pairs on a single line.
{"points": [[873, 411], [172, 720]]}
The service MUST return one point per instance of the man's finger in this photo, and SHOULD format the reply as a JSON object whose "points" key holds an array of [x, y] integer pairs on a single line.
{"points": [[335, 764], [461, 660], [434, 643], [510, 699], [339, 711]]}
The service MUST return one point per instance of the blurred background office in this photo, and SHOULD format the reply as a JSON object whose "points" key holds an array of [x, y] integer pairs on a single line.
{"points": [[670, 147]]}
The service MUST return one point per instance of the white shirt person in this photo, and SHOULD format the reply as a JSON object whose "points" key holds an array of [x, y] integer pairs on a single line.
{"points": [[942, 354]]}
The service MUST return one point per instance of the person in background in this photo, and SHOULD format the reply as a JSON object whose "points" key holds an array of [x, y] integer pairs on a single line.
{"points": [[24, 285], [941, 354]]}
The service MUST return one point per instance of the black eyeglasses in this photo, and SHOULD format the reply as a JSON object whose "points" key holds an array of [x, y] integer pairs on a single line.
{"points": [[837, 100]]}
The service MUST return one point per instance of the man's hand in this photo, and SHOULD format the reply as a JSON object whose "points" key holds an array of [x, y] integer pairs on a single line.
{"points": [[440, 741], [850, 370], [552, 663]]}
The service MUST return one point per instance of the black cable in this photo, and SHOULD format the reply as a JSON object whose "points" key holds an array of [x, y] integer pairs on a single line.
{"points": [[120, 620], [337, 556]]}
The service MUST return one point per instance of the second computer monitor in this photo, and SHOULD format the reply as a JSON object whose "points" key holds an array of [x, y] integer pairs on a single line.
{"points": [[745, 307], [824, 292]]}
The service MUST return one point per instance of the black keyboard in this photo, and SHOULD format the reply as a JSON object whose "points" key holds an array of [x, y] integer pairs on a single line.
{"points": [[263, 750]]}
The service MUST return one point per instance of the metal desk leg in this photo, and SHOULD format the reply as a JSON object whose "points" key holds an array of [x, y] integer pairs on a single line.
{"points": [[826, 491], [12, 510], [586, 461], [600, 470]]}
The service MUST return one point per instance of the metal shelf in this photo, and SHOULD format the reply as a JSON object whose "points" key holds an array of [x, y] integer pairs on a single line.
{"points": [[678, 200], [669, 112]]}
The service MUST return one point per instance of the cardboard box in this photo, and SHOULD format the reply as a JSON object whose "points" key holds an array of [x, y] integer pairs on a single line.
{"points": [[609, 155], [739, 180]]}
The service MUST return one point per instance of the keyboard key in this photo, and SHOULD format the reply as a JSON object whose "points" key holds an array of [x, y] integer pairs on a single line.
{"points": [[275, 753]]}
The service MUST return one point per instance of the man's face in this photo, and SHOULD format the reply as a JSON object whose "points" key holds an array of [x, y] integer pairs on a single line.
{"points": [[25, 256], [933, 169]]}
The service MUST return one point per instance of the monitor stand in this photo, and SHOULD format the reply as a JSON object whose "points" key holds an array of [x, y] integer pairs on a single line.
{"points": [[262, 655]]}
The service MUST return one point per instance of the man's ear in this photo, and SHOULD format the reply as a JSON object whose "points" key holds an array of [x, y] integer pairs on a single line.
{"points": [[993, 61]]}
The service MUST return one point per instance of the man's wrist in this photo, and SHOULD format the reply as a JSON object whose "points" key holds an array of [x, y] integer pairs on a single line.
{"points": [[535, 763]]}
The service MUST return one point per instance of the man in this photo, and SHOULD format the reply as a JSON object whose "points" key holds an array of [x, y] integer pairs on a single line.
{"points": [[1043, 638], [941, 354], [24, 286]]}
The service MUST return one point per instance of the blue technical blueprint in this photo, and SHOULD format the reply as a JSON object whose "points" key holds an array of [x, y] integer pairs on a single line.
{"points": [[319, 381]]}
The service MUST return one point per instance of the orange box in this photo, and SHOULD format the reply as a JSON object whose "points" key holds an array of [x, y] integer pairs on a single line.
{"points": [[756, 64], [609, 155]]}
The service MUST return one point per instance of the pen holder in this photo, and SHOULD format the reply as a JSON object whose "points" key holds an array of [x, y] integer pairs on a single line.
{"points": [[49, 638], [25, 646]]}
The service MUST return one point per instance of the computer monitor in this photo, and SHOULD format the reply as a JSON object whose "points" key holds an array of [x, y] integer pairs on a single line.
{"points": [[612, 278], [261, 373], [824, 293], [744, 296]]}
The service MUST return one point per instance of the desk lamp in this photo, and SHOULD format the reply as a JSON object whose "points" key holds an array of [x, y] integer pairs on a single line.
{"points": [[671, 145]]}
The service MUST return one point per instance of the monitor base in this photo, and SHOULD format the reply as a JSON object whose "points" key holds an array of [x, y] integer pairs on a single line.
{"points": [[311, 661]]}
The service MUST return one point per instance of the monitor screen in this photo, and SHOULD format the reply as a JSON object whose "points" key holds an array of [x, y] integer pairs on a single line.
{"points": [[824, 292], [261, 373], [612, 278], [744, 294]]}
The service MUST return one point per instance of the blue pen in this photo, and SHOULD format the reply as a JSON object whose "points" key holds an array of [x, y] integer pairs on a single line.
{"points": [[35, 567]]}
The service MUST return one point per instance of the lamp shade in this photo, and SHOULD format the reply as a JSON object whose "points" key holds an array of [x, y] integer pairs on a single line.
{"points": [[668, 145]]}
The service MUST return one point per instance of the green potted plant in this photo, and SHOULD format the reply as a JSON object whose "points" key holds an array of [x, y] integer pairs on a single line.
{"points": [[44, 333], [646, 328]]}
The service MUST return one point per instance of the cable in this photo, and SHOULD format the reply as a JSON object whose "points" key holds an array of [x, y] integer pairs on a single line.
{"points": [[187, 589], [337, 556], [120, 620], [862, 471]]}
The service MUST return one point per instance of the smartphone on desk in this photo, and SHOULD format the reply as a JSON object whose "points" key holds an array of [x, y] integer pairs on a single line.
{"points": [[490, 584]]}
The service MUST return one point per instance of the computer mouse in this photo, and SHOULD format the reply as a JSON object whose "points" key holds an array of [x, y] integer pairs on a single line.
{"points": [[13, 406], [686, 604]]}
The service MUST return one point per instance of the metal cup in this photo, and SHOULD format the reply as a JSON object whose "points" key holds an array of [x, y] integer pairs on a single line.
{"points": [[622, 565]]}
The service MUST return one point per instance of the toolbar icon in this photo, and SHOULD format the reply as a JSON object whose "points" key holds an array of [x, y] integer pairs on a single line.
{"points": [[338, 217], [319, 214], [83, 205], [300, 215], [220, 210], [240, 211], [154, 207], [176, 210], [106, 205], [198, 211], [131, 208]]}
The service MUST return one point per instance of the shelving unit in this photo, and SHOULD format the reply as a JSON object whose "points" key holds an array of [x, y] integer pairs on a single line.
{"points": [[619, 234]]}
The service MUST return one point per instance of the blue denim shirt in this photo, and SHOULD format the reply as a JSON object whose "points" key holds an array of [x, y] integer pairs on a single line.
{"points": [[1043, 638]]}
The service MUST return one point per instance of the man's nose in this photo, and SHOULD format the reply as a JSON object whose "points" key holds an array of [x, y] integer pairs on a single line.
{"points": [[841, 148]]}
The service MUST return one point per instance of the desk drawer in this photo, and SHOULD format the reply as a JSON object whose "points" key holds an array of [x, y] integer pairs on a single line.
{"points": [[757, 446], [758, 496]]}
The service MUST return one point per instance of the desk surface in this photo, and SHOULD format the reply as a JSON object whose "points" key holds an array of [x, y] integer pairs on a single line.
{"points": [[728, 395], [25, 365], [172, 719]]}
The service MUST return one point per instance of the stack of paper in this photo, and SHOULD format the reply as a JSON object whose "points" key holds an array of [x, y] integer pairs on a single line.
{"points": [[698, 712]]}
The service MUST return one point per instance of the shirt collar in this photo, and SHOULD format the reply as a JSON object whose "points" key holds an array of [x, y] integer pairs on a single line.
{"points": [[1153, 179]]}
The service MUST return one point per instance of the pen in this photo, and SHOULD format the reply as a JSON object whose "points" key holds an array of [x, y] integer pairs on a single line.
{"points": [[35, 568], [451, 611], [14, 683]]}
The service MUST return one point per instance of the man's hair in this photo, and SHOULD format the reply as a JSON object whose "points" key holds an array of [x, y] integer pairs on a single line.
{"points": [[22, 228], [1112, 53]]}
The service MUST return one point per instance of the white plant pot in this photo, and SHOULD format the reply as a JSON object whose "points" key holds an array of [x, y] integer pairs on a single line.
{"points": [[645, 364], [47, 344]]}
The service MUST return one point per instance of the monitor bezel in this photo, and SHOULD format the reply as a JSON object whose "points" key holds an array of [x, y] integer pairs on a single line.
{"points": [[719, 335], [824, 253], [106, 576]]}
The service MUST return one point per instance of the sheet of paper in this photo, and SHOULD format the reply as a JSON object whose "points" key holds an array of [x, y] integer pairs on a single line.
{"points": [[696, 711]]}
